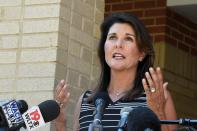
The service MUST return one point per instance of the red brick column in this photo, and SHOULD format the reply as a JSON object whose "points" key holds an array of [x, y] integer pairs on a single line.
{"points": [[162, 23], [151, 12]]}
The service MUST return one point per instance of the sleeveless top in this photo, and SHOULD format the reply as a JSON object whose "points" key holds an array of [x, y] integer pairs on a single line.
{"points": [[111, 115]]}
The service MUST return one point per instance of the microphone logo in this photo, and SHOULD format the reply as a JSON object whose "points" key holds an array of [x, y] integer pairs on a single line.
{"points": [[33, 118], [12, 113]]}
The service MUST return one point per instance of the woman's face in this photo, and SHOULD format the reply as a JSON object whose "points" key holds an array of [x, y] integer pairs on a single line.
{"points": [[121, 51]]}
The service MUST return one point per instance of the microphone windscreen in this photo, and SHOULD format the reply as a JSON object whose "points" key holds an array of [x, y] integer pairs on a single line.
{"points": [[50, 109], [104, 96], [126, 109], [142, 118], [22, 106]]}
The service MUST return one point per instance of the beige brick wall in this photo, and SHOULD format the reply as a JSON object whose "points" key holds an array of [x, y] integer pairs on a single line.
{"points": [[77, 40], [44, 41]]}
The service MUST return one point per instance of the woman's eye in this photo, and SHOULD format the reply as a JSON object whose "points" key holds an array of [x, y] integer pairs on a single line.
{"points": [[112, 38], [129, 39]]}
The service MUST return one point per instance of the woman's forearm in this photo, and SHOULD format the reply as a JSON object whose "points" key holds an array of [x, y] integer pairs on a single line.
{"points": [[60, 121], [60, 126]]}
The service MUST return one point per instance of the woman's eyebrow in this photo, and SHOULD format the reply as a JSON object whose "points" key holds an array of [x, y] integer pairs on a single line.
{"points": [[111, 34], [130, 34]]}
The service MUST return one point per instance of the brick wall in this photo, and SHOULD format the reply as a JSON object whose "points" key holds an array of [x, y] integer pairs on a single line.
{"points": [[151, 12], [181, 33], [28, 48], [78, 35], [42, 42], [175, 44], [181, 62]]}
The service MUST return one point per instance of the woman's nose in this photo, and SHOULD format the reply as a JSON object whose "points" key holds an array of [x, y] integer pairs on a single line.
{"points": [[119, 44]]}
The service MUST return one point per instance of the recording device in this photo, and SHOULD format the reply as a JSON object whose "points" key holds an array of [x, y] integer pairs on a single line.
{"points": [[10, 113], [38, 116], [143, 119], [124, 113], [100, 101]]}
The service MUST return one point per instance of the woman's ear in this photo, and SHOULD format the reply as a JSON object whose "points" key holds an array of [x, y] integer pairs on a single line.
{"points": [[142, 56]]}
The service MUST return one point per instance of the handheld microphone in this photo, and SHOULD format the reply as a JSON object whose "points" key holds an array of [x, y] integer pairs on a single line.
{"points": [[124, 113], [10, 113], [143, 119], [39, 115], [100, 101]]}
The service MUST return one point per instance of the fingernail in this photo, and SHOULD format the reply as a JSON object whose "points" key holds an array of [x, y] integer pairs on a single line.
{"points": [[166, 83], [62, 81], [158, 68], [68, 94], [151, 69], [147, 73]]}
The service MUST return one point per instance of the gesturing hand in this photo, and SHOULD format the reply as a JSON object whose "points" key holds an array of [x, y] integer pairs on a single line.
{"points": [[61, 94], [156, 91]]}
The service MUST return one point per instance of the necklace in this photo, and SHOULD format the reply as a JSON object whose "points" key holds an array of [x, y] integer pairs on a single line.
{"points": [[117, 93]]}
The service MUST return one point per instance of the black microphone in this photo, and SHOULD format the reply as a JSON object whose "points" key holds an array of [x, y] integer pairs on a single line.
{"points": [[101, 101], [124, 113], [38, 116], [11, 113], [143, 119]]}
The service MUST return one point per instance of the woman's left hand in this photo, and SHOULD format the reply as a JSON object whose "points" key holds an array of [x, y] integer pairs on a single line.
{"points": [[156, 91]]}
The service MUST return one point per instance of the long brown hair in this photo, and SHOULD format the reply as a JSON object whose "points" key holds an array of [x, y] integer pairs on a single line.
{"points": [[144, 44]]}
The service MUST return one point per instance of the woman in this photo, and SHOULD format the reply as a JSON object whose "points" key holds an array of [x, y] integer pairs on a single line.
{"points": [[126, 55]]}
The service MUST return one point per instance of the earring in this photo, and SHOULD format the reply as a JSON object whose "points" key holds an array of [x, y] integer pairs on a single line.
{"points": [[140, 59]]}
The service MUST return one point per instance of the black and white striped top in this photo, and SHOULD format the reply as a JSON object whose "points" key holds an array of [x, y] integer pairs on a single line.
{"points": [[111, 115]]}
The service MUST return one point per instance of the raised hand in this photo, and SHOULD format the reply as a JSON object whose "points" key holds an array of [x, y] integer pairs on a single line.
{"points": [[61, 96], [156, 91]]}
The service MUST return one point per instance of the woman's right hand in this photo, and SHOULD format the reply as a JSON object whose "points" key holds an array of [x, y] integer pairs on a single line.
{"points": [[61, 96]]}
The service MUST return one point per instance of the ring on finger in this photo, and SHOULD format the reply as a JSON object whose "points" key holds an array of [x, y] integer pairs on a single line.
{"points": [[152, 89], [59, 103]]}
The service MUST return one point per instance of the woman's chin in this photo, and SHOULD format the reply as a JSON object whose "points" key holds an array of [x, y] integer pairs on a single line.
{"points": [[118, 68]]}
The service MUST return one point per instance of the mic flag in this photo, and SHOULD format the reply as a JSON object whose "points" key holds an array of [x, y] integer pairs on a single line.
{"points": [[10, 113], [37, 116], [33, 118]]}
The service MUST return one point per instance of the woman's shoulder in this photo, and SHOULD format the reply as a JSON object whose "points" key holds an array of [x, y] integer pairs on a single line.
{"points": [[87, 93], [85, 96]]}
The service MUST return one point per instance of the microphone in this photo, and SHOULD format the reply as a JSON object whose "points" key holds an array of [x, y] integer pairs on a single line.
{"points": [[100, 101], [39, 115], [10, 113], [124, 113], [143, 119], [181, 121]]}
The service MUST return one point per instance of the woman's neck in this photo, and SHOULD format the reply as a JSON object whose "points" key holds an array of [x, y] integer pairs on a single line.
{"points": [[121, 81]]}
